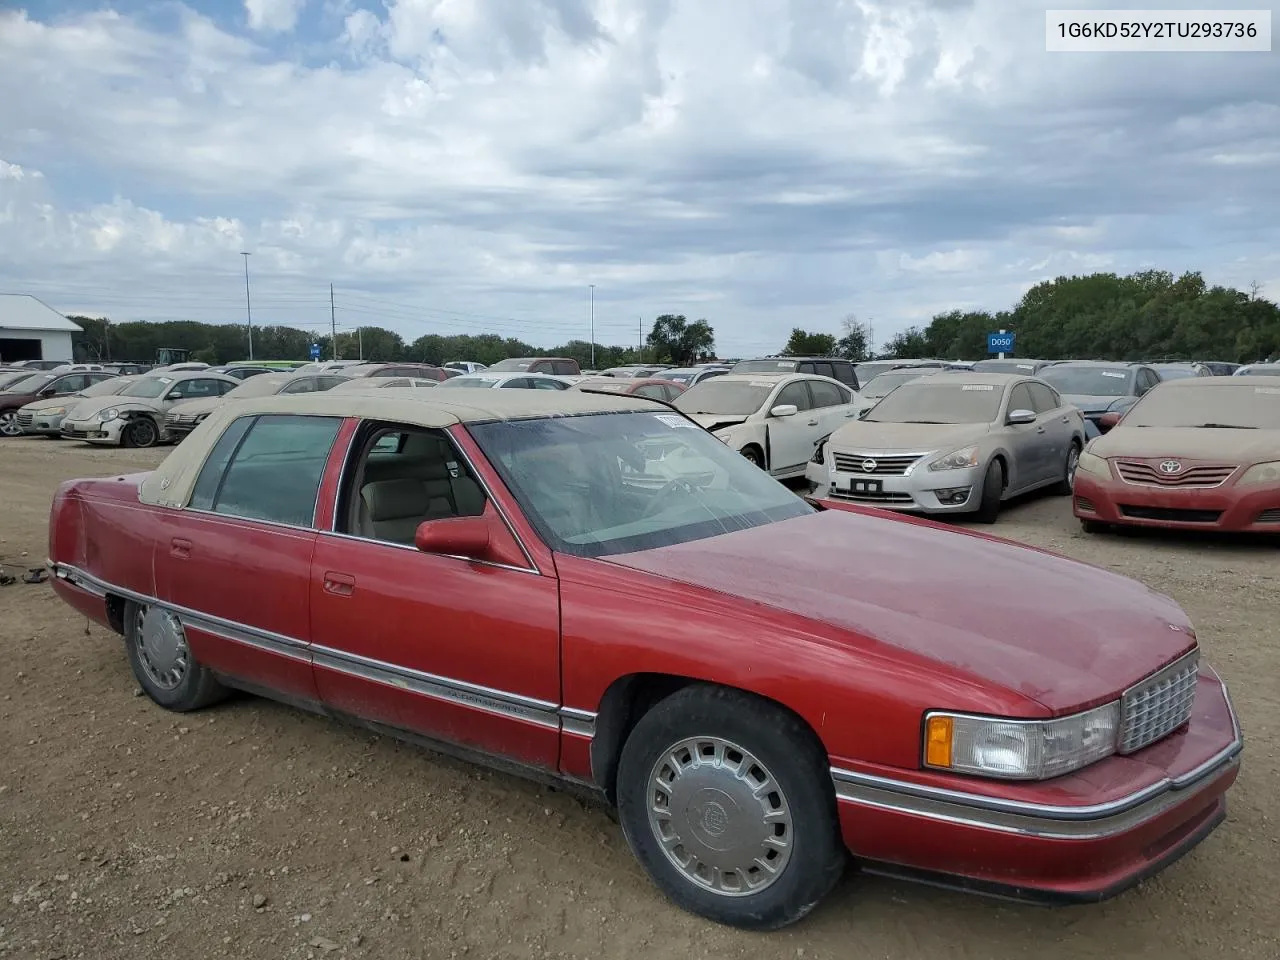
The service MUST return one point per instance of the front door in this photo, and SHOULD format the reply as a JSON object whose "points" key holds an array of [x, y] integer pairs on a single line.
{"points": [[1027, 442], [791, 439], [235, 563], [453, 649]]}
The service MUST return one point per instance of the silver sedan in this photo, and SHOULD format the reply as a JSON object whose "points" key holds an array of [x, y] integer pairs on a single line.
{"points": [[953, 443]]}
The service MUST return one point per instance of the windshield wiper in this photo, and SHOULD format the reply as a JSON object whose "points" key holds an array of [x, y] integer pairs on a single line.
{"points": [[1223, 426]]}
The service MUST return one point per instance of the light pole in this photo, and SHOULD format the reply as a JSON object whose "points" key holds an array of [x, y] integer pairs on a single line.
{"points": [[248, 310], [593, 326]]}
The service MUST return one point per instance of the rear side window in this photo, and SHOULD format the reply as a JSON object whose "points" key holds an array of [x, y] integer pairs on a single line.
{"points": [[845, 373], [823, 369], [267, 468], [565, 368]]}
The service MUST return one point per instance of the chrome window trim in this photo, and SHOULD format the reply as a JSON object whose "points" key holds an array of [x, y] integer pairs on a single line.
{"points": [[412, 549], [543, 713]]}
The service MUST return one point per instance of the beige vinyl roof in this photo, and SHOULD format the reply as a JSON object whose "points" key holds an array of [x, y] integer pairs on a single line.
{"points": [[170, 484]]}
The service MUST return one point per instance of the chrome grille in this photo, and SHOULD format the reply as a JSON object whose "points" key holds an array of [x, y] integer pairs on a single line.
{"points": [[1193, 475], [887, 466], [26, 419], [884, 496], [183, 419], [1158, 705]]}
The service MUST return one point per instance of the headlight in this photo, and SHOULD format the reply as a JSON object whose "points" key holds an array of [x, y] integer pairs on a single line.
{"points": [[1093, 464], [820, 454], [108, 414], [957, 459], [1020, 749], [54, 412], [1261, 473], [724, 436]]}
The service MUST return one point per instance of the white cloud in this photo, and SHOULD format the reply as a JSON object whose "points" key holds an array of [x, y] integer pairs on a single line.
{"points": [[273, 16], [490, 159]]}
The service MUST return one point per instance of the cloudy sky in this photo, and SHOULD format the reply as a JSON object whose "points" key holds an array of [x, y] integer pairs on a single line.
{"points": [[473, 165]]}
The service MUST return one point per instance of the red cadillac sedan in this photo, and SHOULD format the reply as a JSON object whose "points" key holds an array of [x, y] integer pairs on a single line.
{"points": [[1200, 453]]}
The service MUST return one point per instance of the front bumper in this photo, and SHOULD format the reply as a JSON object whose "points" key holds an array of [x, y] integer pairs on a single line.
{"points": [[1046, 849], [93, 431], [1229, 508], [39, 424], [919, 489]]}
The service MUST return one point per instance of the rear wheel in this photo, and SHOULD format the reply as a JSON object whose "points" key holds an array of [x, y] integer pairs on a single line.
{"points": [[992, 491], [162, 662], [726, 801], [1068, 482], [9, 424]]}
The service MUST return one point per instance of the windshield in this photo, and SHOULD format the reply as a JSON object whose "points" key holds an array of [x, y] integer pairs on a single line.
{"points": [[605, 484], [608, 385], [1089, 381], [1176, 373], [263, 385], [1221, 405], [881, 385], [470, 382], [734, 398], [937, 401], [147, 387], [679, 376], [1273, 371], [106, 388], [764, 366], [514, 363], [30, 383]]}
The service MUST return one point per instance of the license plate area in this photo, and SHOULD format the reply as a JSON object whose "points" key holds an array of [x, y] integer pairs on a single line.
{"points": [[866, 486]]}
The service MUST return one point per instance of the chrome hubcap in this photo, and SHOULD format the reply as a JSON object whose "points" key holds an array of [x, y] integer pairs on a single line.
{"points": [[720, 817], [9, 424], [1073, 461], [162, 647]]}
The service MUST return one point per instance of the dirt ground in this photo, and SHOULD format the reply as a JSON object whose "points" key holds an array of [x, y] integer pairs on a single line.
{"points": [[254, 831]]}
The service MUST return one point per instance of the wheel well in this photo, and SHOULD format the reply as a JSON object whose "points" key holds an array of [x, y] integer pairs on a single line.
{"points": [[758, 449], [115, 613], [627, 700]]}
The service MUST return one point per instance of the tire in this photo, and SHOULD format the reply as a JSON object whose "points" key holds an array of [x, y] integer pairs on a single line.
{"points": [[140, 432], [753, 455], [1094, 526], [992, 491], [716, 748], [9, 424], [1064, 486], [163, 664]]}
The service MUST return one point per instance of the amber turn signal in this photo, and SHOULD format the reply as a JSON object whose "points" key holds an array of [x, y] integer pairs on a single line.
{"points": [[937, 742]]}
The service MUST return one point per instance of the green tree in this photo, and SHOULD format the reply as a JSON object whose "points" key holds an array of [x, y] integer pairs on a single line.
{"points": [[853, 343], [805, 344], [673, 339], [909, 344]]}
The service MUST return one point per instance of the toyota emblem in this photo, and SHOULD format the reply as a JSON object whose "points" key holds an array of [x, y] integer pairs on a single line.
{"points": [[1170, 466], [869, 466]]}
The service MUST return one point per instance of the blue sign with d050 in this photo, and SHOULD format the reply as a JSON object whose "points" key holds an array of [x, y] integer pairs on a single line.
{"points": [[315, 351], [1000, 342]]}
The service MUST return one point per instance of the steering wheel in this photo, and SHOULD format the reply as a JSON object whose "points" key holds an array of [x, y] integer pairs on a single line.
{"points": [[656, 504]]}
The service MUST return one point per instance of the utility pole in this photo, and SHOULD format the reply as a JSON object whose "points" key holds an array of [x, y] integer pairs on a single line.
{"points": [[360, 340], [593, 326], [640, 330], [248, 310], [333, 324]]}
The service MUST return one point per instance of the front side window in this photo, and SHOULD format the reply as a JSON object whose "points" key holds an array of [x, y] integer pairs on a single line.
{"points": [[794, 393], [603, 484], [1045, 400], [72, 384], [1020, 399], [267, 468], [546, 383], [301, 385]]}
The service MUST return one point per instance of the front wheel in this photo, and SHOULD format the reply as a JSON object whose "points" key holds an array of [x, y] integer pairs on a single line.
{"points": [[726, 801], [1064, 486], [992, 492], [140, 432], [753, 456]]}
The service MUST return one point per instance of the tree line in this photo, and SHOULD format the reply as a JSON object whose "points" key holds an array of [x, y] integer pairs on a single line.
{"points": [[673, 338]]}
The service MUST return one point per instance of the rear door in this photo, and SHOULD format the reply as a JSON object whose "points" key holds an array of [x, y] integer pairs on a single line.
{"points": [[236, 561], [832, 405]]}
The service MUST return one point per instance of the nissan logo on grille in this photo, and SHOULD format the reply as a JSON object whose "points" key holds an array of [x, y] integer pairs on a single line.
{"points": [[869, 465], [1170, 466]]}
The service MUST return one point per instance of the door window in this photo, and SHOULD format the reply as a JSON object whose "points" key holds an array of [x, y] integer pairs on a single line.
{"points": [[827, 394], [545, 383], [405, 476], [267, 468], [518, 383], [565, 368], [72, 384], [1045, 400], [845, 373], [794, 392], [824, 369], [1020, 399], [653, 391]]}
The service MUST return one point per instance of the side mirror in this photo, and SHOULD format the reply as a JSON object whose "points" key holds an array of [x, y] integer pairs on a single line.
{"points": [[784, 410], [1109, 420], [48, 392], [1019, 417], [456, 536], [862, 414]]}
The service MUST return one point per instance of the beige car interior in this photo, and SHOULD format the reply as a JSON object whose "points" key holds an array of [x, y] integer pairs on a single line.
{"points": [[425, 480]]}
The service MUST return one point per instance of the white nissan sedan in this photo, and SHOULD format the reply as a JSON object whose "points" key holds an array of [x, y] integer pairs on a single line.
{"points": [[775, 421]]}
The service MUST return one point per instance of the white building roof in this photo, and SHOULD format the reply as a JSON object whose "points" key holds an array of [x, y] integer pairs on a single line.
{"points": [[20, 311]]}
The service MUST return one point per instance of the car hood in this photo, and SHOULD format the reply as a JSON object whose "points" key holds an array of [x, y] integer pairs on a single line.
{"points": [[94, 405], [51, 403], [869, 435], [10, 400], [1060, 632], [714, 421], [1191, 443], [1090, 404], [203, 405]]}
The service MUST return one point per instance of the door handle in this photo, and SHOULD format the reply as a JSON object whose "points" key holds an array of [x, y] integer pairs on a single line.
{"points": [[339, 584], [1039, 429], [1066, 419], [813, 423], [180, 548]]}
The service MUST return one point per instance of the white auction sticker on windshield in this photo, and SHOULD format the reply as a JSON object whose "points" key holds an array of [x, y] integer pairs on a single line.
{"points": [[984, 387], [1113, 374], [1270, 391], [760, 383], [674, 421]]}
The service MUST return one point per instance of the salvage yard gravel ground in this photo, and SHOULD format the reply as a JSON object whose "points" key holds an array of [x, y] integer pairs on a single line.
{"points": [[254, 831]]}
